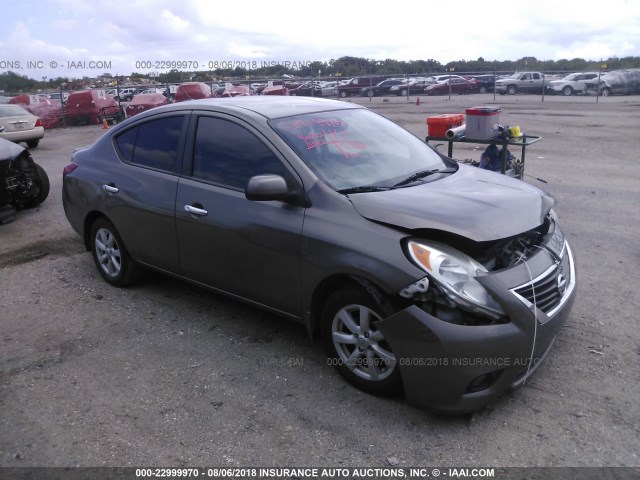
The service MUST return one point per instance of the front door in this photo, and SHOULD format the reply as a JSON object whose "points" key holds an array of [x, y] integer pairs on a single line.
{"points": [[247, 248]]}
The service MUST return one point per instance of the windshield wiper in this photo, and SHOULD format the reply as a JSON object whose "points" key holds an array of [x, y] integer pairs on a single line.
{"points": [[422, 174], [363, 189]]}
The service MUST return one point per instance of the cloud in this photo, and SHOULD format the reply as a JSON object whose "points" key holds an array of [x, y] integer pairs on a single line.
{"points": [[199, 30]]}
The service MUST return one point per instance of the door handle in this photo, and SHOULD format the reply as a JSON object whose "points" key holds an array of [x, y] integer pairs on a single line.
{"points": [[110, 188], [201, 212]]}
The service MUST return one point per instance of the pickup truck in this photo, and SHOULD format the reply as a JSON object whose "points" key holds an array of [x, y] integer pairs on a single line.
{"points": [[529, 82]]}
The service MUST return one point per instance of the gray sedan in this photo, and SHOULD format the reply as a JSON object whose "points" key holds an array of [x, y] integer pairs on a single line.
{"points": [[443, 281]]}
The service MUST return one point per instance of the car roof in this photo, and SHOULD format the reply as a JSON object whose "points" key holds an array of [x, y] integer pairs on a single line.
{"points": [[266, 106]]}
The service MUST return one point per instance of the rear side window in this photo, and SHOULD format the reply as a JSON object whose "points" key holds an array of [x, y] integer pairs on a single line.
{"points": [[153, 144], [228, 154], [126, 142]]}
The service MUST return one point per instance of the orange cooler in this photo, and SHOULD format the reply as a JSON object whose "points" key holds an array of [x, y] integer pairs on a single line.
{"points": [[438, 125]]}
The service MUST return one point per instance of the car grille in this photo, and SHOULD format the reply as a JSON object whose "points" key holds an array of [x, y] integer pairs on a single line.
{"points": [[548, 291]]}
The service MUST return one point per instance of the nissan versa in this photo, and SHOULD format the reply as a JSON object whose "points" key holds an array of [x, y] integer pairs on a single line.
{"points": [[443, 281]]}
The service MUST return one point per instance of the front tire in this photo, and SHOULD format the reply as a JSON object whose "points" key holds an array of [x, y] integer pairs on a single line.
{"points": [[354, 344], [567, 91], [38, 191], [605, 92], [110, 254], [512, 90], [42, 182]]}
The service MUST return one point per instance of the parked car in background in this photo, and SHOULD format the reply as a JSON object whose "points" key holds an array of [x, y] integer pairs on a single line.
{"points": [[521, 82], [161, 91], [333, 216], [414, 86], [124, 94], [91, 107], [355, 85], [49, 111], [615, 82], [330, 89], [382, 88], [572, 84], [275, 90], [193, 91], [145, 101], [231, 90], [484, 83], [59, 97], [460, 86], [443, 77], [127, 93], [274, 83], [307, 89], [19, 125]]}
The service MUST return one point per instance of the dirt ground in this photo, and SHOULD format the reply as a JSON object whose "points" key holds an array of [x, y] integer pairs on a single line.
{"points": [[166, 374]]}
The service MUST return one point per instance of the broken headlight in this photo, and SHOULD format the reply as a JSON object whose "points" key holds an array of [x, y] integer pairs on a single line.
{"points": [[456, 274]]}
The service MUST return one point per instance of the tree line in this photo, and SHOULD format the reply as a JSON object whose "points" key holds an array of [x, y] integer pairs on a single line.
{"points": [[343, 67]]}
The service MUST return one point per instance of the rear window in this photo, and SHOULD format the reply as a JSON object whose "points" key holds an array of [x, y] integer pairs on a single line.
{"points": [[12, 110]]}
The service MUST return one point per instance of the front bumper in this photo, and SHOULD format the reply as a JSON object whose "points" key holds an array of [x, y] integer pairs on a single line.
{"points": [[457, 368]]}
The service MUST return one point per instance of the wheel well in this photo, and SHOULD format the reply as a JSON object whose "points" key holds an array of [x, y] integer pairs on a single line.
{"points": [[86, 230], [330, 285]]}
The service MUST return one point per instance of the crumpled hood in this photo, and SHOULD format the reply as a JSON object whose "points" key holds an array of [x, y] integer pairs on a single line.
{"points": [[9, 150], [474, 203]]}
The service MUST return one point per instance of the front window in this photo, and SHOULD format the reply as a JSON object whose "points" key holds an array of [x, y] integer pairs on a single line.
{"points": [[228, 154], [357, 148]]}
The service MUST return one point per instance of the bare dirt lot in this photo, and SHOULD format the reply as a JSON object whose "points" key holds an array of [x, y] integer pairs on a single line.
{"points": [[166, 374]]}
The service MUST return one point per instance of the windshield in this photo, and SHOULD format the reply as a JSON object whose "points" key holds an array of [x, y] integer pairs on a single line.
{"points": [[571, 77], [357, 148]]}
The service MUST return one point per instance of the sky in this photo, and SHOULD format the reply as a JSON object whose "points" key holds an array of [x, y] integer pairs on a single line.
{"points": [[78, 38]]}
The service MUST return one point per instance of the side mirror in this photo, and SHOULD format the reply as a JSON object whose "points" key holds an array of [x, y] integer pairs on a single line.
{"points": [[267, 187]]}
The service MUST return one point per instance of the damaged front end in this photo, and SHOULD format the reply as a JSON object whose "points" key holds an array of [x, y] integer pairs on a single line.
{"points": [[483, 318]]}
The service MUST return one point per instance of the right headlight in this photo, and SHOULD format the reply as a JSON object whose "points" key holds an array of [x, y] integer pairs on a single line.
{"points": [[456, 274]]}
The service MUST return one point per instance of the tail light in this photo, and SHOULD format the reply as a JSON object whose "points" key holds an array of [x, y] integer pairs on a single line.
{"points": [[68, 168], [38, 123]]}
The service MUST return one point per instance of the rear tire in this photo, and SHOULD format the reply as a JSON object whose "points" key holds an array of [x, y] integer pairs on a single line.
{"points": [[110, 254], [354, 344], [33, 143]]}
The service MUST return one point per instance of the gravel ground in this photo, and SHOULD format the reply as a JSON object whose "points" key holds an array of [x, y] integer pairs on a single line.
{"points": [[165, 374]]}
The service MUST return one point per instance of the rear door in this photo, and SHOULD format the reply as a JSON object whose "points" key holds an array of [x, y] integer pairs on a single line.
{"points": [[247, 248], [139, 195]]}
